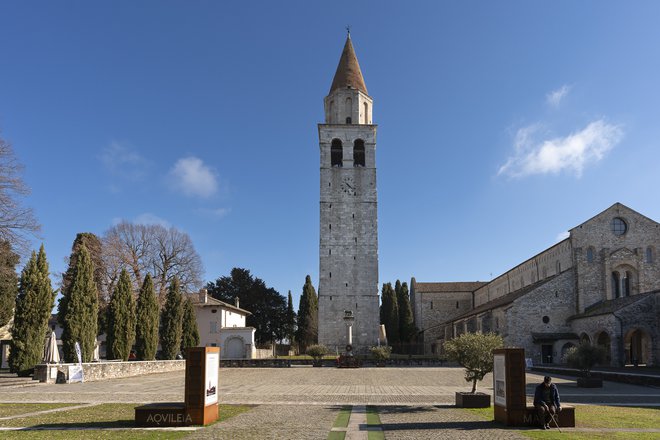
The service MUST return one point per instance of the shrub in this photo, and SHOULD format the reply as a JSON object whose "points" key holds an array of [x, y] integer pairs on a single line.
{"points": [[317, 351], [381, 353], [474, 352], [585, 356]]}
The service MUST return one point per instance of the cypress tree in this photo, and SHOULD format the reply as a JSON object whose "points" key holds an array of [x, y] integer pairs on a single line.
{"points": [[390, 314], [8, 282], [121, 320], [146, 329], [307, 333], [290, 320], [172, 321], [190, 336], [80, 318], [406, 325], [33, 306]]}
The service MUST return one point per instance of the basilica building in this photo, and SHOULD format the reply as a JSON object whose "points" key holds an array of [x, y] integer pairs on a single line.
{"points": [[600, 285]]}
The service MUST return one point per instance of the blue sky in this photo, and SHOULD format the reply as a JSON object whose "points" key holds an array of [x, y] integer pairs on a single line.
{"points": [[501, 124]]}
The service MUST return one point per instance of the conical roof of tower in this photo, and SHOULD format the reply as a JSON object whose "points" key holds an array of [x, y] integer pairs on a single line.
{"points": [[348, 72]]}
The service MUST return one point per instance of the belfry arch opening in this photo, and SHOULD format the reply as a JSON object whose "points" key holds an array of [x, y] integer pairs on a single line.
{"points": [[336, 153], [358, 153]]}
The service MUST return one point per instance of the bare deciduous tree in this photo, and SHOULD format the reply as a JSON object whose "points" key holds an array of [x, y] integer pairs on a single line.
{"points": [[17, 222], [162, 252]]}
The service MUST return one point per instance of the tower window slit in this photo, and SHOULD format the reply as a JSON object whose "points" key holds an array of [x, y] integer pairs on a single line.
{"points": [[330, 274]]}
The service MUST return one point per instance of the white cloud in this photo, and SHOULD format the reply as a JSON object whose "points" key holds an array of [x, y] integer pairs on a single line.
{"points": [[562, 236], [571, 153], [555, 97], [124, 162], [148, 218], [193, 178], [216, 213]]}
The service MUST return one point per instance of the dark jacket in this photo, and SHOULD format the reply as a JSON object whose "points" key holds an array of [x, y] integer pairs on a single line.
{"points": [[538, 394]]}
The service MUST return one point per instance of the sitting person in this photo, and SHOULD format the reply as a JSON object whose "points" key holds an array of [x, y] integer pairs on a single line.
{"points": [[546, 401]]}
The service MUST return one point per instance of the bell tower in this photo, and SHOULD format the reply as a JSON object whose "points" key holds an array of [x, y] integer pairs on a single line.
{"points": [[348, 248]]}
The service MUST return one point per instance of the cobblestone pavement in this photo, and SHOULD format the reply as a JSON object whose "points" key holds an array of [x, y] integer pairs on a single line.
{"points": [[280, 422], [432, 422], [318, 386]]}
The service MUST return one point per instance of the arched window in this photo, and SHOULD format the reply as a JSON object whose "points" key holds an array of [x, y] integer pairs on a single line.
{"points": [[336, 153], [649, 255], [558, 268], [590, 255], [366, 113], [349, 110], [625, 284], [616, 284], [358, 153]]}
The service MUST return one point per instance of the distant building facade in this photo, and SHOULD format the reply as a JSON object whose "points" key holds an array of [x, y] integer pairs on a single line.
{"points": [[223, 325], [601, 285]]}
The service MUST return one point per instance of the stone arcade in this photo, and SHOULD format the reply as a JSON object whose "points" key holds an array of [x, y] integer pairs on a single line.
{"points": [[348, 250]]}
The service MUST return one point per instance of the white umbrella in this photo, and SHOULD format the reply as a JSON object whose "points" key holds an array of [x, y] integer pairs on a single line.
{"points": [[51, 353]]}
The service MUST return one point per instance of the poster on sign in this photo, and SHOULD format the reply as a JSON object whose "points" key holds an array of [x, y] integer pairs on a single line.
{"points": [[499, 379], [211, 383]]}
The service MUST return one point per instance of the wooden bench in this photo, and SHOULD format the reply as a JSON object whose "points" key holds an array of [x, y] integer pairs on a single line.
{"points": [[565, 418]]}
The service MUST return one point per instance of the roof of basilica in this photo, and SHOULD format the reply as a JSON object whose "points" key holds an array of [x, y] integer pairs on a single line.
{"points": [[348, 72], [612, 305], [462, 286]]}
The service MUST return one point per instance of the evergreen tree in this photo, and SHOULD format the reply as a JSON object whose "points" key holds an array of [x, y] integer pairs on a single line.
{"points": [[121, 320], [80, 317], [190, 336], [268, 307], [307, 333], [8, 282], [406, 324], [390, 314], [290, 320], [146, 329], [33, 306], [95, 249], [172, 321]]}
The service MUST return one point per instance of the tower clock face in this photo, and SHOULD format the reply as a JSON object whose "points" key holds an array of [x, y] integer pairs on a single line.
{"points": [[348, 186]]}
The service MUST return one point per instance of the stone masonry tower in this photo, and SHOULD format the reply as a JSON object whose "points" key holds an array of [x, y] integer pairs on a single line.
{"points": [[348, 250]]}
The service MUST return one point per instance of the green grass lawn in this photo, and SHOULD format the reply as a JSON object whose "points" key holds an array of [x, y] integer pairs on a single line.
{"points": [[595, 416], [108, 415], [14, 409], [373, 419]]}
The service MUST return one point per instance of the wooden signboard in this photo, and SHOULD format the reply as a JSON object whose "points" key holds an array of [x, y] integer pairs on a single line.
{"points": [[509, 385], [201, 395]]}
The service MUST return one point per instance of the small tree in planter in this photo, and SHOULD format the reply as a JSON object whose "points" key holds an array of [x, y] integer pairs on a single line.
{"points": [[381, 354], [474, 352], [584, 357], [317, 352]]}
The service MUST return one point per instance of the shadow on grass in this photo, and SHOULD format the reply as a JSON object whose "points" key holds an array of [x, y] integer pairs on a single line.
{"points": [[84, 425]]}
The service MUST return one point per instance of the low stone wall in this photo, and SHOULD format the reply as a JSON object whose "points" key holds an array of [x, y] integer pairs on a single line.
{"points": [[95, 371]]}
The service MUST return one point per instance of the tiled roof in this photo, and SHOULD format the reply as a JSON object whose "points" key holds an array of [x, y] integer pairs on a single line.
{"points": [[540, 337], [612, 305], [348, 72], [212, 302], [465, 286]]}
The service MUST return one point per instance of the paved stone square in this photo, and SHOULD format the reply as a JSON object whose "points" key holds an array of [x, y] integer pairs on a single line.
{"points": [[303, 402]]}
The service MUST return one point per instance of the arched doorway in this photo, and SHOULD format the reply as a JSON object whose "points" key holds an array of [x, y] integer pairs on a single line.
{"points": [[234, 348], [603, 340], [564, 350], [585, 339], [638, 347]]}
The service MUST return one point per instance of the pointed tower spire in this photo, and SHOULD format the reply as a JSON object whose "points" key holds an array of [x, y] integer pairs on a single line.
{"points": [[348, 72]]}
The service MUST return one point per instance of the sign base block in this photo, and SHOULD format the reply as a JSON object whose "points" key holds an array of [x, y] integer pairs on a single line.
{"points": [[162, 414]]}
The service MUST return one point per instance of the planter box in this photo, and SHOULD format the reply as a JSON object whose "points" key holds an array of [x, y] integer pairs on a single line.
{"points": [[589, 382], [469, 400]]}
